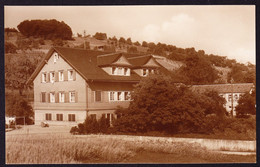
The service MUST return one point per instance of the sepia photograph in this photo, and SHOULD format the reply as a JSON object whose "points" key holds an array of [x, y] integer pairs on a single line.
{"points": [[130, 84]]}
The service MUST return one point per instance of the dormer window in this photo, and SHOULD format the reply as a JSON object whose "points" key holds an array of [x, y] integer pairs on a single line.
{"points": [[122, 71], [56, 57], [145, 72]]}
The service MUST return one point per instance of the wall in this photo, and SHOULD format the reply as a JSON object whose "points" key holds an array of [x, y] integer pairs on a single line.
{"points": [[79, 85]]}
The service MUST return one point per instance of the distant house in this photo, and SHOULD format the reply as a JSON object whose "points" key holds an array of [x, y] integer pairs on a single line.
{"points": [[70, 84], [230, 92]]}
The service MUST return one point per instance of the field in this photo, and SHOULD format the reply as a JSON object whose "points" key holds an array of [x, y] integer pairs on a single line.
{"points": [[53, 146]]}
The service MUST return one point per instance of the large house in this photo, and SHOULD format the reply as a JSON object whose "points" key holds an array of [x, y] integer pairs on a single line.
{"points": [[71, 84], [230, 92]]}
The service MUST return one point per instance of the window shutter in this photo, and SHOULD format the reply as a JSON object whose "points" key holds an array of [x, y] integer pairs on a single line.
{"points": [[41, 77], [92, 96], [56, 76], [40, 97], [48, 97], [76, 97], [65, 75], [48, 77], [57, 97], [66, 97], [102, 96], [74, 75]]}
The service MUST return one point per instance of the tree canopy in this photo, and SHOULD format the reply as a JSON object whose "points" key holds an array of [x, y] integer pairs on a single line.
{"points": [[47, 29], [161, 104], [246, 104]]}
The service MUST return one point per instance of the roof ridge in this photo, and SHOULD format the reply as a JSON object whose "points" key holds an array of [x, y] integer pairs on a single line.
{"points": [[225, 84], [138, 56], [109, 54]]}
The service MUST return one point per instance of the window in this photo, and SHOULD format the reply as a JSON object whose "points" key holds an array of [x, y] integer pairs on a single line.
{"points": [[61, 76], [236, 97], [48, 116], [111, 96], [43, 97], [59, 117], [120, 71], [98, 96], [152, 71], [127, 96], [229, 97], [119, 96], [52, 97], [70, 75], [56, 57], [72, 97], [145, 71], [114, 70], [61, 97], [72, 117], [52, 77], [44, 77]]}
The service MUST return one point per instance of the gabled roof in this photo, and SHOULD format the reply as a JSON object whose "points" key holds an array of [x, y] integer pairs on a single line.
{"points": [[224, 88], [140, 61], [85, 63], [107, 59]]}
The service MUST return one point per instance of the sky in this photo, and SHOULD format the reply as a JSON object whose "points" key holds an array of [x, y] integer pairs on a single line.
{"points": [[224, 30]]}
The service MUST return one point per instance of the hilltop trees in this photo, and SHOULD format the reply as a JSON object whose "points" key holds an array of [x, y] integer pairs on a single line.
{"points": [[47, 29], [198, 70], [100, 36]]}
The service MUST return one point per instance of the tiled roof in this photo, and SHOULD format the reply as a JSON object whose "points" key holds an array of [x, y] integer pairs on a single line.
{"points": [[140, 60], [224, 88], [107, 59]]}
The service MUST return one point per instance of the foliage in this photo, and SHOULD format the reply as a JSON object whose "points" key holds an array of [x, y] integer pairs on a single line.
{"points": [[92, 126], [122, 40], [58, 42], [129, 41], [144, 44], [18, 68], [17, 106], [47, 29], [132, 49], [10, 30], [137, 43], [241, 74], [10, 47], [198, 70], [160, 104], [100, 36], [246, 104]]}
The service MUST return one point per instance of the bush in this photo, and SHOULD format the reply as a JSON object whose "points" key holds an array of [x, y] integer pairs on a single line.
{"points": [[74, 130], [10, 47]]}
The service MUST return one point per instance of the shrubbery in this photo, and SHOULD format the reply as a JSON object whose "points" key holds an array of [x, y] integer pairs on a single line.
{"points": [[93, 126]]}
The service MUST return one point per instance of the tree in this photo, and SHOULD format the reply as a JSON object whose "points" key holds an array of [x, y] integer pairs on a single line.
{"points": [[10, 30], [47, 29], [122, 40], [198, 70], [100, 36], [17, 106], [161, 104], [129, 41], [132, 49], [10, 47], [144, 44], [246, 104], [137, 43]]}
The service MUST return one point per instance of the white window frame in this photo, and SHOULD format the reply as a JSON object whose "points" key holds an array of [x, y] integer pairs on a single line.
{"points": [[70, 96], [49, 116], [52, 97], [44, 77], [61, 76], [52, 76], [129, 95], [56, 57], [111, 94], [70, 75], [61, 97], [70, 117], [146, 72]]}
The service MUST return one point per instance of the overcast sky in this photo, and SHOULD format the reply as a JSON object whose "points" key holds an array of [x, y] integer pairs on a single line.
{"points": [[223, 30]]}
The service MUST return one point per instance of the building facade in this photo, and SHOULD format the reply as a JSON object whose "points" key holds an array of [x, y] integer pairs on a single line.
{"points": [[71, 84]]}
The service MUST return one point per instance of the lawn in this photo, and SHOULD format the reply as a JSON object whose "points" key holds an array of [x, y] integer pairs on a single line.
{"points": [[53, 148]]}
